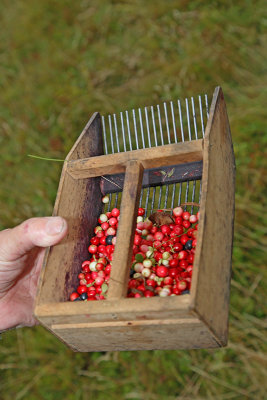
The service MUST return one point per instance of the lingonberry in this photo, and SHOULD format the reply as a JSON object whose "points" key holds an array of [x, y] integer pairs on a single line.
{"points": [[102, 218], [112, 221], [193, 219], [92, 249], [94, 240], [115, 212], [102, 240], [177, 211], [105, 226], [74, 296], [162, 271], [183, 255], [81, 289], [186, 224], [165, 229], [105, 199], [141, 211], [186, 215], [184, 239]]}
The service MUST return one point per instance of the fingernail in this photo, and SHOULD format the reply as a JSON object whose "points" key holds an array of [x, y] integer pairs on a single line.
{"points": [[54, 225]]}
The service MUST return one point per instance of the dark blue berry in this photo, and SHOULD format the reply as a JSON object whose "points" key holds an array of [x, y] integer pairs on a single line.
{"points": [[83, 296], [109, 239], [186, 292], [188, 245], [78, 299], [132, 272]]}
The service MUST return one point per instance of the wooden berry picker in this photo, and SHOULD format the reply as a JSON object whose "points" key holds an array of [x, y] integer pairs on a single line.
{"points": [[146, 263]]}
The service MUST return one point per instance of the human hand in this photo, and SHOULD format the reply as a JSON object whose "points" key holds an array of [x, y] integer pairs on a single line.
{"points": [[21, 255]]}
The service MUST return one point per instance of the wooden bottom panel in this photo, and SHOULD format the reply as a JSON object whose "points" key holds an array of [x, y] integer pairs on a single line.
{"points": [[136, 335]]}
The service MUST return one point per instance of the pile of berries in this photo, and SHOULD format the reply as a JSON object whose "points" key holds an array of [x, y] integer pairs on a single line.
{"points": [[162, 260]]}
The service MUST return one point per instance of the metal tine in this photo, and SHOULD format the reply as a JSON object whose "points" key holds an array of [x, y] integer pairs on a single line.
{"points": [[167, 122], [173, 122], [160, 194], [153, 198], [181, 120], [207, 105], [128, 128], [116, 199], [104, 134], [141, 127], [186, 193], [111, 134], [154, 126], [123, 132], [166, 196], [173, 195], [135, 130], [147, 198], [116, 132], [188, 119], [194, 116], [180, 194], [141, 198], [160, 126], [201, 116], [193, 196], [147, 128]]}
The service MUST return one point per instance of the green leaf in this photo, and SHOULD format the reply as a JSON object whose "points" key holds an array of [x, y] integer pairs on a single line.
{"points": [[104, 288], [139, 258], [90, 284], [163, 172], [170, 173]]}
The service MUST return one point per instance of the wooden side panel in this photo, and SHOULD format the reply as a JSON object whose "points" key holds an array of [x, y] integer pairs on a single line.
{"points": [[212, 266], [79, 201], [177, 153], [124, 245], [137, 335], [114, 310]]}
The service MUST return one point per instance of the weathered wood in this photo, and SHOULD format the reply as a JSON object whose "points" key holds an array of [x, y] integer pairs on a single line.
{"points": [[156, 177], [212, 266], [115, 310], [79, 202], [137, 335], [124, 245], [177, 153]]}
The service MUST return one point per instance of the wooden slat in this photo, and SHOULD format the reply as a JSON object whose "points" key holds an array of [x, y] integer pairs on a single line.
{"points": [[137, 335], [177, 153], [79, 201], [212, 265], [124, 245], [117, 310], [156, 177]]}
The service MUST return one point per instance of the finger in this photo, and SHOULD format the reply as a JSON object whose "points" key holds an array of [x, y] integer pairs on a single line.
{"points": [[41, 232]]}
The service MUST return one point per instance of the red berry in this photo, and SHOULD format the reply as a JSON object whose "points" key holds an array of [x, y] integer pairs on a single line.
{"points": [[81, 289], [74, 296], [178, 220], [141, 211], [112, 221], [94, 240], [115, 212], [182, 285], [162, 271], [186, 224], [184, 239], [178, 211], [149, 293], [105, 226], [165, 229], [173, 263], [92, 249], [178, 230], [186, 215], [183, 255]]}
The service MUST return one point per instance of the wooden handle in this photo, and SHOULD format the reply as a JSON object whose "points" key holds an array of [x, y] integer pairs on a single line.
{"points": [[124, 245]]}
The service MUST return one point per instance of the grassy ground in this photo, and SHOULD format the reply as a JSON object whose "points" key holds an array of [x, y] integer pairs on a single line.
{"points": [[61, 61]]}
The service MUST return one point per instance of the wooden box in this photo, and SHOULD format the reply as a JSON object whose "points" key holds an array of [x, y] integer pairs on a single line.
{"points": [[195, 320]]}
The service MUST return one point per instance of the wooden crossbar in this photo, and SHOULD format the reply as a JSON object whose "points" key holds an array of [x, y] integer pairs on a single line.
{"points": [[177, 153]]}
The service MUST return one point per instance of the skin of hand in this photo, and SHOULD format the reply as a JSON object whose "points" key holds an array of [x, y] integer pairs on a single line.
{"points": [[21, 256]]}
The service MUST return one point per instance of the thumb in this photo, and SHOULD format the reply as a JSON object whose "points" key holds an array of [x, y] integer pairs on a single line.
{"points": [[41, 232]]}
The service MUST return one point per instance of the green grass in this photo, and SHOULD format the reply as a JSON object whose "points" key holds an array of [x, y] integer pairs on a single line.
{"points": [[59, 62]]}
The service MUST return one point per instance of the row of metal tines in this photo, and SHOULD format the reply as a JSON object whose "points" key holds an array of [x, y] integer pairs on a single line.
{"points": [[156, 126]]}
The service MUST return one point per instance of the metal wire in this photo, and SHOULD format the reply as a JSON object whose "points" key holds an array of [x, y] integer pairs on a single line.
{"points": [[134, 132]]}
